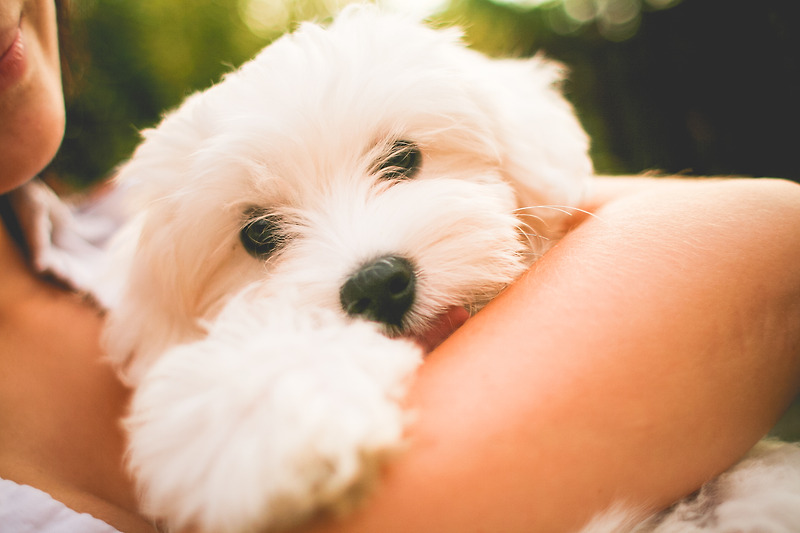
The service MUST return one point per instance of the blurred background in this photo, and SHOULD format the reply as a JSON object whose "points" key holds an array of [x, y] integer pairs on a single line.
{"points": [[678, 86]]}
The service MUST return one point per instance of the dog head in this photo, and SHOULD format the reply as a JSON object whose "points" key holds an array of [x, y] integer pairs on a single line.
{"points": [[375, 167]]}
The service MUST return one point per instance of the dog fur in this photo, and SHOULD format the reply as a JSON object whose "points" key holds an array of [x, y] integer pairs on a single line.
{"points": [[259, 402]]}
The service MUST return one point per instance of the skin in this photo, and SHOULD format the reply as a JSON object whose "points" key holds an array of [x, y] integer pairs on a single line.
{"points": [[31, 98], [662, 340], [60, 404], [641, 356]]}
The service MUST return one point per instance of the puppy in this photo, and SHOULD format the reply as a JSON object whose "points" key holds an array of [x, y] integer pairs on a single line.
{"points": [[348, 189], [296, 226]]}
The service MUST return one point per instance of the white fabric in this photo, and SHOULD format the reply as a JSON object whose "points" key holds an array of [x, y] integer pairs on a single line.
{"points": [[24, 509], [68, 241]]}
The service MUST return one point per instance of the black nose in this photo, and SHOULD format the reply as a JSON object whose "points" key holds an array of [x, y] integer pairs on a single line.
{"points": [[381, 291]]}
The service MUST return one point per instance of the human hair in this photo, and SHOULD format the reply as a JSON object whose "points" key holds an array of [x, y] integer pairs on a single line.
{"points": [[64, 43]]}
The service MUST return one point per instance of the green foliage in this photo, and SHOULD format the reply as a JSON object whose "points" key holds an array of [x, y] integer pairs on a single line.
{"points": [[706, 86], [138, 59], [141, 58]]}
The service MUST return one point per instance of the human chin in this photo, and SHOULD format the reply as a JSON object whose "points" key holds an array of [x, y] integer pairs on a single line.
{"points": [[31, 99], [31, 133]]}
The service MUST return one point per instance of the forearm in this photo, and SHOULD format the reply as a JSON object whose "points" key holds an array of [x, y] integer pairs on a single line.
{"points": [[640, 357]]}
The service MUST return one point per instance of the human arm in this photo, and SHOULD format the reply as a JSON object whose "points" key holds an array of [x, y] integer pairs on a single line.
{"points": [[638, 358]]}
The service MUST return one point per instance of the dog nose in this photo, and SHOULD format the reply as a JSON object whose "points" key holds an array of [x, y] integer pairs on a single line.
{"points": [[381, 291]]}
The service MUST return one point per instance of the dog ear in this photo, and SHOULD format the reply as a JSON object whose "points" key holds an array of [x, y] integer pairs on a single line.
{"points": [[164, 259], [174, 185], [545, 149], [157, 267], [162, 156], [148, 315]]}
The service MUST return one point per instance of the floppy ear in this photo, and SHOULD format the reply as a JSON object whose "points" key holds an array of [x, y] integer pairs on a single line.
{"points": [[178, 190], [148, 313], [545, 149], [163, 155]]}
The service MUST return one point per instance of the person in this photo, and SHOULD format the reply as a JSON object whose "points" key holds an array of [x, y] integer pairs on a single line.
{"points": [[641, 356]]}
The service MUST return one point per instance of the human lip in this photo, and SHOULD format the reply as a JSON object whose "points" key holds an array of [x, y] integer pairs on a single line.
{"points": [[9, 32], [12, 57]]}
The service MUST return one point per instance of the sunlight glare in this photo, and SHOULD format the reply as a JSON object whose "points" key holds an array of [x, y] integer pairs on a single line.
{"points": [[415, 8], [526, 3], [264, 17]]}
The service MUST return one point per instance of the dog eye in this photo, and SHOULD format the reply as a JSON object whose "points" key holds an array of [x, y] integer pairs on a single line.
{"points": [[403, 162], [260, 236]]}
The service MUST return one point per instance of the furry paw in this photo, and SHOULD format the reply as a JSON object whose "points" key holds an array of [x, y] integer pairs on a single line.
{"points": [[275, 416]]}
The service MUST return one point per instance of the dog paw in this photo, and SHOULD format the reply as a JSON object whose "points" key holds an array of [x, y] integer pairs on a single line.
{"points": [[274, 417]]}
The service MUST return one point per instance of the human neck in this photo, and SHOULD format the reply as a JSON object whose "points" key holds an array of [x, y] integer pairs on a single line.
{"points": [[17, 278]]}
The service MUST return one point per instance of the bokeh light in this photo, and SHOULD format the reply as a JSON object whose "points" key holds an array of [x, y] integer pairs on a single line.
{"points": [[526, 3], [656, 88], [268, 18], [417, 8], [616, 20]]}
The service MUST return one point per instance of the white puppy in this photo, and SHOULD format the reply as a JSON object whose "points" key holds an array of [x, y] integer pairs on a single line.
{"points": [[348, 189]]}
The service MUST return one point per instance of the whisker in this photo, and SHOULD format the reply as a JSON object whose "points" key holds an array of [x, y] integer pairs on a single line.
{"points": [[565, 209], [535, 217], [534, 240]]}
